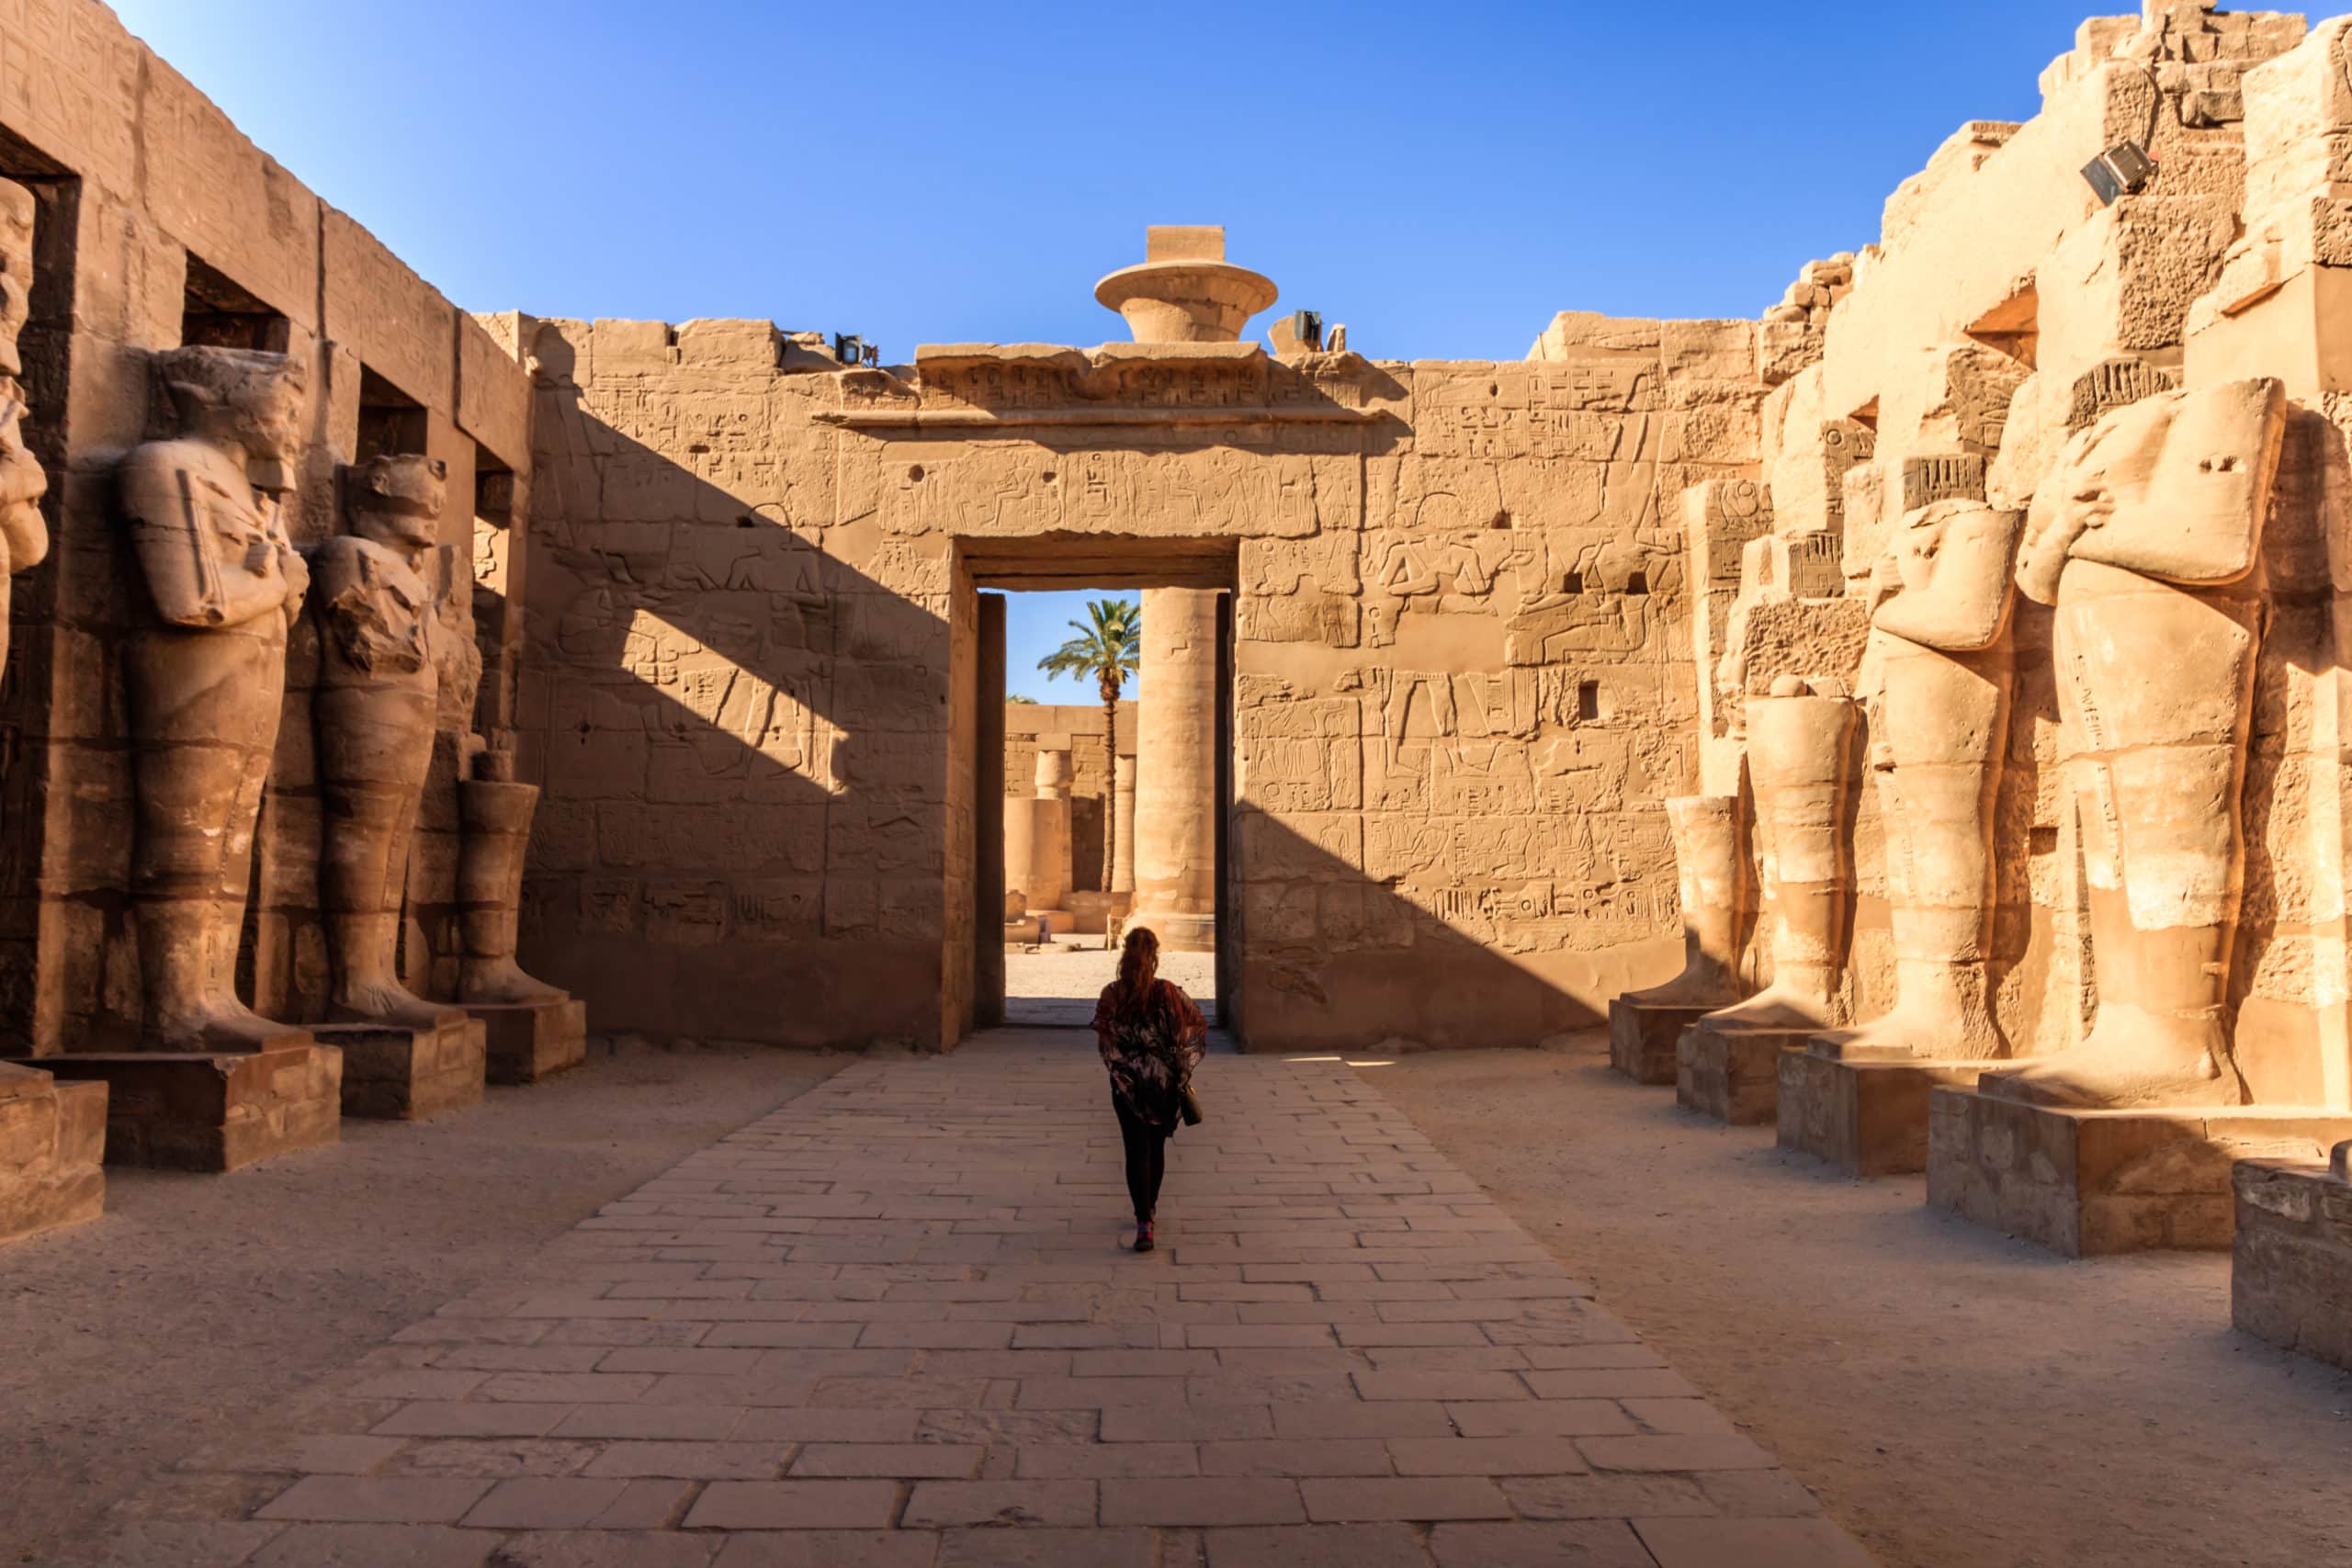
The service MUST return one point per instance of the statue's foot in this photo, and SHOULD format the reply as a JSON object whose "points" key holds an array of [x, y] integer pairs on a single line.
{"points": [[2132, 1058], [1775, 1007], [1701, 988], [226, 1025], [1911, 1032], [391, 1005], [505, 985]]}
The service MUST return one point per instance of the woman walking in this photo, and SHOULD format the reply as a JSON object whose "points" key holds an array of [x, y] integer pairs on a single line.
{"points": [[1150, 1035]]}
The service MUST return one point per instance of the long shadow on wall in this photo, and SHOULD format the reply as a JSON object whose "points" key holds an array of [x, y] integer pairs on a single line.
{"points": [[755, 827], [743, 743]]}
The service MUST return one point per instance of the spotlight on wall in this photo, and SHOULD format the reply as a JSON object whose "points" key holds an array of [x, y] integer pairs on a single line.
{"points": [[849, 349], [1308, 327], [2122, 170]]}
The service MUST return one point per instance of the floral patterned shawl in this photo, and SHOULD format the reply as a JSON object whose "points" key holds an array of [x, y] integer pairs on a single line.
{"points": [[1150, 1051]]}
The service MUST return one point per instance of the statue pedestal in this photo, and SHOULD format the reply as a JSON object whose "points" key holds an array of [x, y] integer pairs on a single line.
{"points": [[1732, 1072], [405, 1074], [1866, 1116], [52, 1139], [212, 1110], [1642, 1036], [2090, 1183], [529, 1041], [2291, 1266]]}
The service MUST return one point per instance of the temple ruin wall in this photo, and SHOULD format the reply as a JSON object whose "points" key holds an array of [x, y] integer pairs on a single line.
{"points": [[1456, 611]]}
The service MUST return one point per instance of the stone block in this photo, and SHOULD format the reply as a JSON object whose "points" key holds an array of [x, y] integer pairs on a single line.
{"points": [[525, 1041], [1731, 1074], [2092, 1183], [1641, 1037], [1867, 1117], [405, 1074], [213, 1110], [2291, 1261], [52, 1138]]}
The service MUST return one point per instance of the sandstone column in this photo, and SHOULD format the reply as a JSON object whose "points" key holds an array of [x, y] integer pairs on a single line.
{"points": [[1175, 828], [1037, 837], [1123, 806]]}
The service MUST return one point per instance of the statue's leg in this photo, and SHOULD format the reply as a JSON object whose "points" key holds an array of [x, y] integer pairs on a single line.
{"points": [[1710, 866], [1943, 725], [1799, 764], [375, 748], [204, 713], [2162, 682]]}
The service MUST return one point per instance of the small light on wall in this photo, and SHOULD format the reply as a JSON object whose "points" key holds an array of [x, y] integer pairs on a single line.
{"points": [[1308, 327], [2122, 170], [849, 349]]}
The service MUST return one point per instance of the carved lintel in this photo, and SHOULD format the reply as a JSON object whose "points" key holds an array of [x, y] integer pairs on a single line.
{"points": [[964, 418]]}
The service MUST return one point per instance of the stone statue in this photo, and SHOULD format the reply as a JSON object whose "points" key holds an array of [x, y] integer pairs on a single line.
{"points": [[1940, 663], [205, 682], [2147, 537], [1798, 741], [23, 536], [1711, 863], [377, 700], [496, 812]]}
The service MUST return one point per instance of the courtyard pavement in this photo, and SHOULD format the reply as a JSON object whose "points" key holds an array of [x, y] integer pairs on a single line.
{"points": [[895, 1325]]}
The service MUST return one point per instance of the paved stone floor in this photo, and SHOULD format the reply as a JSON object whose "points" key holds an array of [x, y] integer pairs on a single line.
{"points": [[894, 1325]]}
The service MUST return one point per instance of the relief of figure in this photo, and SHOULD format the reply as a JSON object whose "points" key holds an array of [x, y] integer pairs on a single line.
{"points": [[206, 681], [377, 700], [2147, 537], [1938, 661], [1798, 742]]}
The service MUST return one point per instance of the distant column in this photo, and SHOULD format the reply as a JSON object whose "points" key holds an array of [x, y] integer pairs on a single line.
{"points": [[1048, 835], [1123, 806], [1175, 836]]}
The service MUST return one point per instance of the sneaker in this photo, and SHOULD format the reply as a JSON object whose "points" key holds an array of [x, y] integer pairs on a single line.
{"points": [[1143, 1236]]}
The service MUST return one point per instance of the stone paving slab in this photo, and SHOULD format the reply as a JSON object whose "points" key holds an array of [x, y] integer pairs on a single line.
{"points": [[896, 1324]]}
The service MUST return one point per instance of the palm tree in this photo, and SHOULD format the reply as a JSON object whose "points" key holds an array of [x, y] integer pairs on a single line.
{"points": [[1110, 650]]}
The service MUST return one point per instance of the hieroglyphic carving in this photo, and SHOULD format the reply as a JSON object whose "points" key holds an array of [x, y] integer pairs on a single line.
{"points": [[1949, 476]]}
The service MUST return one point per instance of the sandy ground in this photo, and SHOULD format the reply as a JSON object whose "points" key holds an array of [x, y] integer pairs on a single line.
{"points": [[1957, 1399], [1059, 988], [198, 1302]]}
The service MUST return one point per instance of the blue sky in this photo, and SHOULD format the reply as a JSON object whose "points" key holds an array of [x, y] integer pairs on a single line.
{"points": [[1441, 179]]}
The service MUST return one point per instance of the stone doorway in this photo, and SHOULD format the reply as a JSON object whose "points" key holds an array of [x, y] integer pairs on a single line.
{"points": [[1047, 784]]}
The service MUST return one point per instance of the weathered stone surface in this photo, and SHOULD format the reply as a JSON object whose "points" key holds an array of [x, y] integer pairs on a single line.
{"points": [[2086, 1183], [1864, 1117], [2291, 1263], [212, 1111]]}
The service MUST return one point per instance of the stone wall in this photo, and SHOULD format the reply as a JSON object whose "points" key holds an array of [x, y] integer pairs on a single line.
{"points": [[160, 224], [1459, 691]]}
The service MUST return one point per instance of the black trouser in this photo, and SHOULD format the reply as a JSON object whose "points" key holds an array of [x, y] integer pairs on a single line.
{"points": [[1147, 1161]]}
